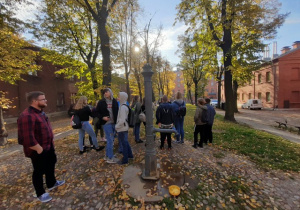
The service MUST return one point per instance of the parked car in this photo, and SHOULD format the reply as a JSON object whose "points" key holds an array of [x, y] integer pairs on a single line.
{"points": [[253, 104], [214, 102]]}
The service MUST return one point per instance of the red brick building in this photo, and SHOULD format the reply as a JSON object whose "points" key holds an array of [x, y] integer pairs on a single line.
{"points": [[277, 83], [211, 89], [57, 89], [179, 83]]}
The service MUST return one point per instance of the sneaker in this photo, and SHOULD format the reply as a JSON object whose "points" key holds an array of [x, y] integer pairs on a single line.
{"points": [[139, 141], [45, 198], [103, 139], [81, 152], [121, 163], [177, 142], [57, 184], [111, 160], [195, 146]]}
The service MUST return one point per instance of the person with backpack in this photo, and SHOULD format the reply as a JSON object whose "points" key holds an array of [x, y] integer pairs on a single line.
{"points": [[200, 119], [122, 127], [83, 111], [211, 116], [107, 110], [179, 109], [136, 108], [165, 120]]}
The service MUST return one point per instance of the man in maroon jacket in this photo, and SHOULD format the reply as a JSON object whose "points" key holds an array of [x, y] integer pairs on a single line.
{"points": [[36, 136]]}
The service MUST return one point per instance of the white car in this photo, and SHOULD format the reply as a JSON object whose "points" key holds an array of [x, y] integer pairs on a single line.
{"points": [[214, 102], [253, 104]]}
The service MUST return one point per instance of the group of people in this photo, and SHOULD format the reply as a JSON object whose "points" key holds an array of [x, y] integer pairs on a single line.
{"points": [[111, 115], [170, 114]]}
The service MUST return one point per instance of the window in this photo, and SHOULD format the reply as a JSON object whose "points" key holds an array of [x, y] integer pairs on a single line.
{"points": [[268, 97], [259, 78], [259, 96], [60, 99], [178, 85], [243, 96], [73, 98], [268, 77], [250, 96], [238, 96], [212, 83]]}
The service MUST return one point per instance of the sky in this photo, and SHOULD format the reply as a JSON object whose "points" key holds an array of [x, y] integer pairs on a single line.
{"points": [[163, 12]]}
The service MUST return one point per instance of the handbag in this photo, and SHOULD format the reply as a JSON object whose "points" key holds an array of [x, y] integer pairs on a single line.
{"points": [[76, 122], [142, 117]]}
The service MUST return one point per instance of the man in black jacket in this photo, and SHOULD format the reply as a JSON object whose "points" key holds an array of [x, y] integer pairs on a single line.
{"points": [[165, 120], [107, 110]]}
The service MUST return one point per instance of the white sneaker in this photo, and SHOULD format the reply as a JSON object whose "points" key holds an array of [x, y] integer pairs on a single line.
{"points": [[112, 161]]}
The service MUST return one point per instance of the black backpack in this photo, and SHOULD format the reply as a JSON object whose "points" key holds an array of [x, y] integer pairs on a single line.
{"points": [[130, 117], [76, 122], [204, 116], [182, 109]]}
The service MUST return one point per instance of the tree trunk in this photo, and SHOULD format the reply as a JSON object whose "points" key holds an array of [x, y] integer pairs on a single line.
{"points": [[196, 91], [105, 50], [229, 107], [127, 81], [94, 81], [3, 132], [235, 87], [190, 96]]}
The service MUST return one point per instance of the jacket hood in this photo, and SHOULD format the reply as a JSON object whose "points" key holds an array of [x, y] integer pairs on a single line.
{"points": [[180, 101], [123, 97], [111, 94]]}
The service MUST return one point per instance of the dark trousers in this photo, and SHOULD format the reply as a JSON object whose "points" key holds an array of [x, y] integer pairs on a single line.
{"points": [[199, 129], [162, 139], [209, 134], [43, 163]]}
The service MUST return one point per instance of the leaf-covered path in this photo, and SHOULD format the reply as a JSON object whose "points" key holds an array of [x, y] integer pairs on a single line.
{"points": [[214, 179]]}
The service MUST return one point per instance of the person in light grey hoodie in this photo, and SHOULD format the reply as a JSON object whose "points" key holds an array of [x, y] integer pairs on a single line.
{"points": [[122, 127]]}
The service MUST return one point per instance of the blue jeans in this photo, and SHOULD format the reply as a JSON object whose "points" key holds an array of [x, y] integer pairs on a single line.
{"points": [[179, 128], [109, 130], [86, 127], [137, 127], [127, 152]]}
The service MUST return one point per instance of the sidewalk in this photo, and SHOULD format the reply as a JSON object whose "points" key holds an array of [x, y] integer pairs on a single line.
{"points": [[261, 124]]}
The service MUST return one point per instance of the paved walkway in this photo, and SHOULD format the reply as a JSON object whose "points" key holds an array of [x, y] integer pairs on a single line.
{"points": [[260, 123]]}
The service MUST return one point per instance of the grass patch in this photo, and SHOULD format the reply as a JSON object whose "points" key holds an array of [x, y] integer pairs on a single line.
{"points": [[266, 150]]}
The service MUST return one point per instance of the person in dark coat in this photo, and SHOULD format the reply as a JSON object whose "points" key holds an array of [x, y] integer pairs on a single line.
{"points": [[165, 120], [211, 116], [107, 110]]}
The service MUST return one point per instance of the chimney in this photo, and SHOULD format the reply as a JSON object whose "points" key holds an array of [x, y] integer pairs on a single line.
{"points": [[296, 44], [285, 49]]}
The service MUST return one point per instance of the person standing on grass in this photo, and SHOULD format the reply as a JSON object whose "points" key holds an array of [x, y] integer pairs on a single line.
{"points": [[199, 125], [84, 112], [122, 128], [179, 109], [211, 116], [136, 108], [107, 110], [36, 136], [165, 120]]}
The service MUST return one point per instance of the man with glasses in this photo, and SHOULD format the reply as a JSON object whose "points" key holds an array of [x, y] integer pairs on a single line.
{"points": [[36, 136]]}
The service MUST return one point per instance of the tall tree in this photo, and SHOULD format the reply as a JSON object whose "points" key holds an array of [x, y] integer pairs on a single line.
{"points": [[100, 10], [17, 56], [224, 18], [123, 25], [70, 30]]}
